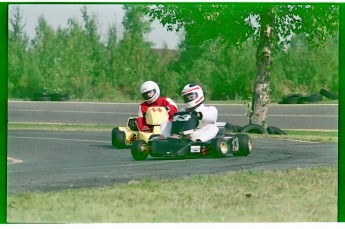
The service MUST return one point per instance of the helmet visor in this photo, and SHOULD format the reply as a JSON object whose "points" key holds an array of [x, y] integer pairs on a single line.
{"points": [[190, 97], [149, 94]]}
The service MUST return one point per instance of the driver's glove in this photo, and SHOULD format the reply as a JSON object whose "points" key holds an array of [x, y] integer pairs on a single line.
{"points": [[167, 108], [146, 129]]}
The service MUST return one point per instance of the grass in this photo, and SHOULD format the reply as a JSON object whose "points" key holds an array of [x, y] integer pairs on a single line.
{"points": [[293, 195], [59, 127], [305, 135]]}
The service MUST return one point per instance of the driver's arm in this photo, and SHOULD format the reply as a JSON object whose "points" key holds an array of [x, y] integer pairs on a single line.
{"points": [[141, 122], [209, 114], [171, 107]]}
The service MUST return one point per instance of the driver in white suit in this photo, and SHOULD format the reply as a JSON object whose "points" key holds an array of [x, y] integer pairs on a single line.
{"points": [[193, 97]]}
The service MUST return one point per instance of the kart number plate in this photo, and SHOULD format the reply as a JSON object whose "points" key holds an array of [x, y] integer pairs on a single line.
{"points": [[235, 145], [195, 149]]}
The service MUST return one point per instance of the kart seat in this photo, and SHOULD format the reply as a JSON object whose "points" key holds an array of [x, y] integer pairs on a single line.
{"points": [[132, 124]]}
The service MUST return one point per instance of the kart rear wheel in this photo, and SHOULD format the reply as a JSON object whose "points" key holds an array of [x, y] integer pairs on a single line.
{"points": [[220, 147], [140, 150], [118, 138], [245, 145]]}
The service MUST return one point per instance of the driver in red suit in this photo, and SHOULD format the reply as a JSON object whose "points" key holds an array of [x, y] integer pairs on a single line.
{"points": [[150, 93]]}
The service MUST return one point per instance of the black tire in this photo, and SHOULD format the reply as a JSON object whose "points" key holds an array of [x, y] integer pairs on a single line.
{"points": [[42, 96], [315, 97], [328, 94], [139, 150], [220, 147], [312, 98], [254, 128], [275, 130], [59, 97], [118, 138], [245, 145], [304, 99], [292, 99], [229, 128], [132, 124]]}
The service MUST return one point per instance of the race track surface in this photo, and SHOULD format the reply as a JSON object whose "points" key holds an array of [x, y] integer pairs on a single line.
{"points": [[58, 160]]}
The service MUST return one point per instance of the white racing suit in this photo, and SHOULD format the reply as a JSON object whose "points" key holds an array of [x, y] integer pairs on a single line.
{"points": [[206, 130]]}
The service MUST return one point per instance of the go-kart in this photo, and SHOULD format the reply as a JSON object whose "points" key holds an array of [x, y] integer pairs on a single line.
{"points": [[122, 137], [179, 145]]}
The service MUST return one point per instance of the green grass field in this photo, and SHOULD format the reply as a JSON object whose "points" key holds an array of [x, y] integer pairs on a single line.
{"points": [[306, 135], [293, 195]]}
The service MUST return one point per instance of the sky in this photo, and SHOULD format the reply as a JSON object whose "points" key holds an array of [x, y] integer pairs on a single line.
{"points": [[107, 14]]}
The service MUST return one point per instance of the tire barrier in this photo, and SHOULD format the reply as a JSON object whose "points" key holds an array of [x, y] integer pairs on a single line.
{"points": [[60, 97], [301, 99], [254, 128], [42, 96], [291, 99], [328, 94], [275, 130], [233, 128], [45, 96], [312, 98]]}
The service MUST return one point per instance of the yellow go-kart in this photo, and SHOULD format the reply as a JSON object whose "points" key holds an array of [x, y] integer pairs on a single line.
{"points": [[122, 137]]}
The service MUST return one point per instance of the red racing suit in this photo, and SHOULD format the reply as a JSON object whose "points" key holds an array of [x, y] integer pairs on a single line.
{"points": [[168, 103]]}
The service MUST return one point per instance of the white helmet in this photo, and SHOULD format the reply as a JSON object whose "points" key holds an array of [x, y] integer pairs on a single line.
{"points": [[146, 90], [192, 95]]}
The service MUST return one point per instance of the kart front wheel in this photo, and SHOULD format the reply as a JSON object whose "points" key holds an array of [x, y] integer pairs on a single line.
{"points": [[220, 147], [244, 144], [118, 138], [140, 150]]}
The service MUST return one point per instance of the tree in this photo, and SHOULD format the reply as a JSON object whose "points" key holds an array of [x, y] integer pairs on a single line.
{"points": [[304, 69], [17, 45], [95, 48], [45, 50], [24, 75], [112, 54], [269, 25], [135, 62]]}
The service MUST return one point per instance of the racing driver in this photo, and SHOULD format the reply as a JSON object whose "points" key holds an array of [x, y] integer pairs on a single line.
{"points": [[151, 94], [193, 97]]}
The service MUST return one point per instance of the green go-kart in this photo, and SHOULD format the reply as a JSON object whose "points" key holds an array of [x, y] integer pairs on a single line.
{"points": [[179, 145]]}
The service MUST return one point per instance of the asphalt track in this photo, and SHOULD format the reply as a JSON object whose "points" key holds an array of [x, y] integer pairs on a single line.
{"points": [[297, 116], [58, 160]]}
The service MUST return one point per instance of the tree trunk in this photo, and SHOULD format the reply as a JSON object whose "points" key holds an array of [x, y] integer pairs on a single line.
{"points": [[261, 90]]}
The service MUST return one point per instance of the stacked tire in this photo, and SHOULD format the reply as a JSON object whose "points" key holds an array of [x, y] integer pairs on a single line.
{"points": [[45, 96], [311, 98], [291, 99], [60, 97], [42, 96], [257, 129], [301, 99], [328, 94], [253, 129]]}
